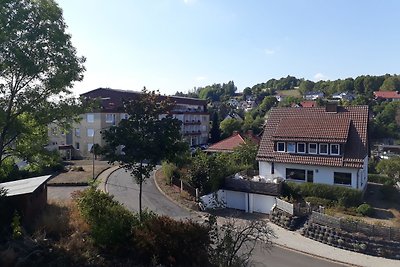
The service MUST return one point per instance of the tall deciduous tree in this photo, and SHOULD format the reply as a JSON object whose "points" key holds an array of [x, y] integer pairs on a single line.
{"points": [[149, 135], [38, 66]]}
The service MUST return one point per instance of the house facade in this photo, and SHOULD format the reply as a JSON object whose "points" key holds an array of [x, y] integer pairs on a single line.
{"points": [[327, 145], [387, 95], [313, 95], [80, 139]]}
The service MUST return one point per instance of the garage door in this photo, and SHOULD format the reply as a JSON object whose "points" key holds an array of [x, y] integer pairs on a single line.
{"points": [[236, 200], [262, 203]]}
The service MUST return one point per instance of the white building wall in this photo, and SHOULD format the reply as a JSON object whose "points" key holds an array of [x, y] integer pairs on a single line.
{"points": [[322, 174]]}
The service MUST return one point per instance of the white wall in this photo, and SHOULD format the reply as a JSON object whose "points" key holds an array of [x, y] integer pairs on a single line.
{"points": [[322, 174]]}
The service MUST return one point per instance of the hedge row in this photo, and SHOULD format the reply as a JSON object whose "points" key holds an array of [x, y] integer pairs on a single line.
{"points": [[344, 196], [379, 179]]}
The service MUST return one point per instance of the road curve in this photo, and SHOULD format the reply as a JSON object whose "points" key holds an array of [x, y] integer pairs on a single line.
{"points": [[121, 185]]}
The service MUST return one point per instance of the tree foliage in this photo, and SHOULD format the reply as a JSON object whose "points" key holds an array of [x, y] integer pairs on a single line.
{"points": [[228, 126], [390, 167], [38, 66], [215, 132], [149, 135]]}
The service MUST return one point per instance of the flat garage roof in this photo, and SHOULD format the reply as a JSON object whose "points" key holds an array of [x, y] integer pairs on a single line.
{"points": [[24, 186]]}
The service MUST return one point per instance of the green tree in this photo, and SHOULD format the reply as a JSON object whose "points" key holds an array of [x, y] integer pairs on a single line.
{"points": [[390, 167], [391, 83], [38, 66], [215, 132], [246, 154], [306, 86], [149, 135], [228, 126]]}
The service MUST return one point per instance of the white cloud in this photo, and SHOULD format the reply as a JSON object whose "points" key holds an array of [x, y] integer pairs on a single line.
{"points": [[269, 51], [319, 76]]}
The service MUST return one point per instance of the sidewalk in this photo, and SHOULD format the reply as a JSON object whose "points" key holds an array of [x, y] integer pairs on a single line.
{"points": [[296, 241]]}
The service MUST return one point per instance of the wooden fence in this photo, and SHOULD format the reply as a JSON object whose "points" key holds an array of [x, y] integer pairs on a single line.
{"points": [[351, 226]]}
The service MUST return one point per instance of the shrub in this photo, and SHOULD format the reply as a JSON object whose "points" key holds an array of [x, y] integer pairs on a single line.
{"points": [[110, 223], [388, 192], [378, 178], [170, 170], [346, 197], [365, 210], [172, 243], [317, 201]]}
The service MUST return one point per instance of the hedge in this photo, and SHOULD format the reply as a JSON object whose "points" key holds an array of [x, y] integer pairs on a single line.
{"points": [[379, 179], [346, 197]]}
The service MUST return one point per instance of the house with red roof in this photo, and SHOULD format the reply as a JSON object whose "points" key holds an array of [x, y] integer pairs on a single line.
{"points": [[327, 145], [227, 145], [387, 95]]}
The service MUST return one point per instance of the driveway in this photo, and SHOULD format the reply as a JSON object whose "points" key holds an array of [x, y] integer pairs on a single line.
{"points": [[121, 185]]}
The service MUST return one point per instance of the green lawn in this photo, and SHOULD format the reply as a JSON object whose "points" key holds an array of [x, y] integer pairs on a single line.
{"points": [[293, 92]]}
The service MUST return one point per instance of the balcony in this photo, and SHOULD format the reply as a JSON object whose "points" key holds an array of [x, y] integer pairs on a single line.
{"points": [[192, 122], [243, 182], [194, 132]]}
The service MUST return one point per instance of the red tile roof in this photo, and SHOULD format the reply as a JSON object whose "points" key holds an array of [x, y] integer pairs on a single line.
{"points": [[308, 104], [331, 130], [230, 143], [387, 94], [348, 126]]}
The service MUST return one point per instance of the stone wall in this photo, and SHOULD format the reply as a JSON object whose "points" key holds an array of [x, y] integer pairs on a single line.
{"points": [[285, 220]]}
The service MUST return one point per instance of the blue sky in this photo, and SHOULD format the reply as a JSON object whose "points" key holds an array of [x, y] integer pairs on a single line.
{"points": [[176, 45]]}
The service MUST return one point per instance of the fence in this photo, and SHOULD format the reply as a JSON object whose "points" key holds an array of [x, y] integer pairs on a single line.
{"points": [[351, 226], [248, 186], [285, 206], [185, 186]]}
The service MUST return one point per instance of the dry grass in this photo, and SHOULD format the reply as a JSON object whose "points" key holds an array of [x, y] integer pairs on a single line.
{"points": [[183, 198], [80, 172], [293, 92]]}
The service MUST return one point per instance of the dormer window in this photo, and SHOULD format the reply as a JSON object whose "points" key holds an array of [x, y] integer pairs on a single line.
{"points": [[312, 148], [291, 147], [323, 149], [301, 148], [335, 149], [280, 147]]}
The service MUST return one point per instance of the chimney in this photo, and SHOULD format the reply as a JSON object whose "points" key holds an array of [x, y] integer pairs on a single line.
{"points": [[331, 107], [235, 133]]}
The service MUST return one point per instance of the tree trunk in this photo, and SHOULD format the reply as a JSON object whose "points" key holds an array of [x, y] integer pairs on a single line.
{"points": [[140, 197]]}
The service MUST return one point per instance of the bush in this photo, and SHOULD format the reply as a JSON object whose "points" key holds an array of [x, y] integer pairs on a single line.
{"points": [[365, 210], [389, 192], [110, 223], [317, 201], [168, 242], [346, 197], [379, 179], [170, 170]]}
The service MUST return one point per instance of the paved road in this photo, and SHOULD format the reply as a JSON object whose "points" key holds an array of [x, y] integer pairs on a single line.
{"points": [[126, 191], [121, 185], [281, 257]]}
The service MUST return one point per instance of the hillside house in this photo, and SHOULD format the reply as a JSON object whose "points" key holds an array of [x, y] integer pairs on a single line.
{"points": [[327, 145]]}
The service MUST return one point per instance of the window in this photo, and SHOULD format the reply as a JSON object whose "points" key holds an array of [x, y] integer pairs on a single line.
{"points": [[323, 149], [335, 149], [310, 176], [301, 148], [77, 132], [124, 116], [291, 147], [312, 148], [90, 132], [280, 147], [89, 147], [110, 118], [342, 178], [90, 118], [77, 145], [296, 174]]}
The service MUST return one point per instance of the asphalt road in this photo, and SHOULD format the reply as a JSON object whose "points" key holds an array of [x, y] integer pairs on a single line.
{"points": [[120, 184], [125, 190]]}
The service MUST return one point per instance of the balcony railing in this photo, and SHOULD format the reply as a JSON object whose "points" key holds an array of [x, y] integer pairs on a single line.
{"points": [[246, 184]]}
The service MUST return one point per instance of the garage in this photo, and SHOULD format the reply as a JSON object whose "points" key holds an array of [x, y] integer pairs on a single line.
{"points": [[236, 200], [263, 203]]}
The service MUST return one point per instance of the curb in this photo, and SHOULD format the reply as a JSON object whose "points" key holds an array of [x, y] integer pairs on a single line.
{"points": [[103, 180], [168, 197], [78, 183]]}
